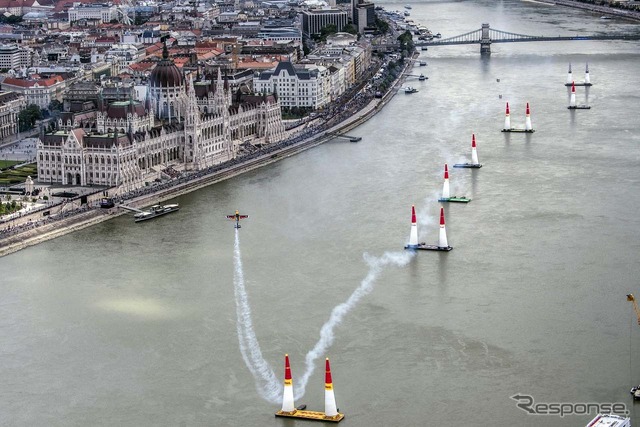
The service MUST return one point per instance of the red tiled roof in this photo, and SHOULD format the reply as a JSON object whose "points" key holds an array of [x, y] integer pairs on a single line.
{"points": [[17, 3], [154, 48], [255, 65], [180, 62], [30, 83], [142, 66], [66, 4]]}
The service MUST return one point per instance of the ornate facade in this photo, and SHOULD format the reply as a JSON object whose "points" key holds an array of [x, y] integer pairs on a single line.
{"points": [[185, 124]]}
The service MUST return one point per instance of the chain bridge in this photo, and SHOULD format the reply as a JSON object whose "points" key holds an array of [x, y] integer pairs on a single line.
{"points": [[486, 35]]}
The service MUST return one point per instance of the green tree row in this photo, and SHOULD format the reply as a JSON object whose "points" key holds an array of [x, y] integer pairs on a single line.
{"points": [[330, 29], [27, 118], [406, 43], [9, 207]]}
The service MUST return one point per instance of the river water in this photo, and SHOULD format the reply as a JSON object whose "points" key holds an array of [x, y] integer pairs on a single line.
{"points": [[139, 324]]}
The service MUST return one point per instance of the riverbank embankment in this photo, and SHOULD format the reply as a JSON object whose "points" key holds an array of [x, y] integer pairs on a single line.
{"points": [[599, 9], [89, 217]]}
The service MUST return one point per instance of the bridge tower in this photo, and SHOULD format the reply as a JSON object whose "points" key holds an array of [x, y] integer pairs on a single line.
{"points": [[485, 40]]}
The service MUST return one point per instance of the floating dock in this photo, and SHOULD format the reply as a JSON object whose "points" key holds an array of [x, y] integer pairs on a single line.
{"points": [[579, 84], [446, 195], [519, 130], [579, 107], [288, 410], [414, 245], [468, 165], [527, 122], [454, 199], [587, 78], [311, 415], [474, 158], [425, 247]]}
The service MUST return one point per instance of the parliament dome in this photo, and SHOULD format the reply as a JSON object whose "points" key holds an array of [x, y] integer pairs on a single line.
{"points": [[166, 73]]}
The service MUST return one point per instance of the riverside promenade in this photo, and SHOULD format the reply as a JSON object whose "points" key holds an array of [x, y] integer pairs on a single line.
{"points": [[601, 9], [33, 229]]}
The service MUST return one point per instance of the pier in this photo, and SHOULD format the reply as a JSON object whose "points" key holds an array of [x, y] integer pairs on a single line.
{"points": [[129, 208], [518, 130], [345, 136]]}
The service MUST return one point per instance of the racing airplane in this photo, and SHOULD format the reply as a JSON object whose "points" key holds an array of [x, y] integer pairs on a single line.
{"points": [[237, 217]]}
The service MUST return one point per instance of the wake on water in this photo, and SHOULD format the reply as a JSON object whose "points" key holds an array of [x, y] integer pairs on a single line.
{"points": [[267, 384]]}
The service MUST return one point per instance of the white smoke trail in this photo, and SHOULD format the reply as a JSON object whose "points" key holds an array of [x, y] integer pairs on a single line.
{"points": [[266, 382], [337, 314]]}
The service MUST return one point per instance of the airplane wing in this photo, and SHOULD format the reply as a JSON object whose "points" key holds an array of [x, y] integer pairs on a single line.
{"points": [[231, 216], [244, 216]]}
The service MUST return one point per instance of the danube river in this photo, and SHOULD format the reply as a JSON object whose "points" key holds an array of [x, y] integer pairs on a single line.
{"points": [[173, 322]]}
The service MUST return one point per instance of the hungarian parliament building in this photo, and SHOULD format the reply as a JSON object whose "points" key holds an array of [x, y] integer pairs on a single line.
{"points": [[184, 123]]}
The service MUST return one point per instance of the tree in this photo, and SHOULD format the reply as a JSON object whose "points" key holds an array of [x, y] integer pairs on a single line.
{"points": [[29, 116], [382, 25], [406, 43], [350, 28], [55, 105], [12, 19], [139, 20], [325, 32]]}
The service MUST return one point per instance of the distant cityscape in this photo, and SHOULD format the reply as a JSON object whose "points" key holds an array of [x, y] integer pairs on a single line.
{"points": [[130, 93]]}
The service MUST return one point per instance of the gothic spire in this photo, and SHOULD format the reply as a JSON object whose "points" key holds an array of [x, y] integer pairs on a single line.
{"points": [[165, 51]]}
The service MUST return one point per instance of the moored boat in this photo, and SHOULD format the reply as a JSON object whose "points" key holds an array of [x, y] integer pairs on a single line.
{"points": [[635, 392], [155, 211], [610, 420]]}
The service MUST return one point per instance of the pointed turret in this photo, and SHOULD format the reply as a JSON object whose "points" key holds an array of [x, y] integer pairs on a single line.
{"points": [[474, 151], [330, 409], [507, 119], [287, 395], [445, 186], [527, 120], [442, 241]]}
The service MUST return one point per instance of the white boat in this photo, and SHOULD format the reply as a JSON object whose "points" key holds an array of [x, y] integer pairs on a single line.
{"points": [[422, 77], [610, 420], [407, 6], [155, 211], [406, 13], [423, 63], [410, 89]]}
